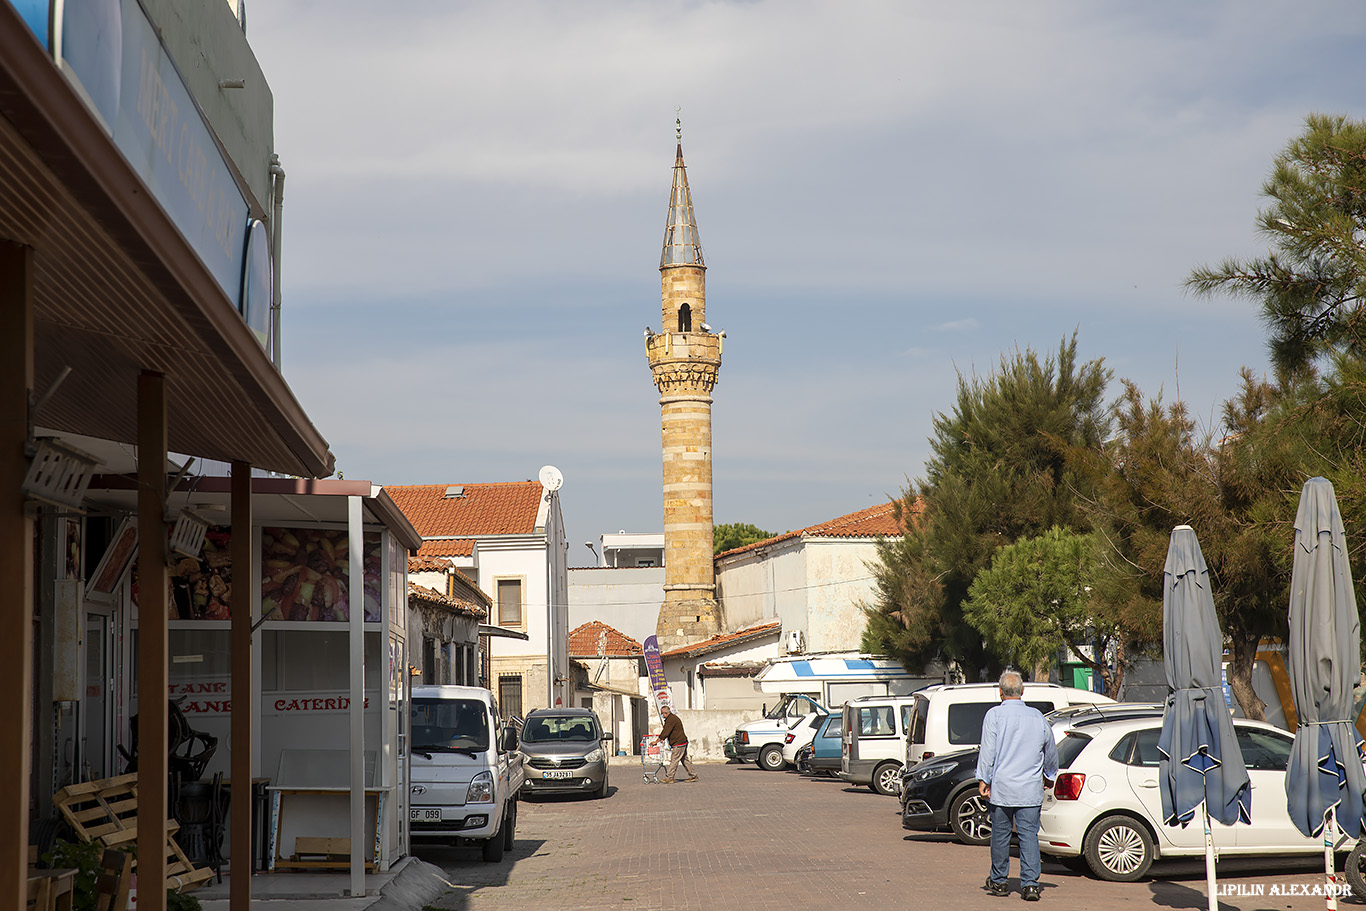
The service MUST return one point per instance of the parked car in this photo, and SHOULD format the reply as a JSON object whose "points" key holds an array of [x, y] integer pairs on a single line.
{"points": [[762, 741], [562, 752], [464, 769], [948, 717], [941, 792], [872, 741], [1106, 805], [822, 754], [799, 735]]}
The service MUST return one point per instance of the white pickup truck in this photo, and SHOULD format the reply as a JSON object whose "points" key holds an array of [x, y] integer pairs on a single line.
{"points": [[762, 741]]}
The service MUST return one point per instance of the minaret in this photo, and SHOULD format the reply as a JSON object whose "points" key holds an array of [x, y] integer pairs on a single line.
{"points": [[684, 359]]}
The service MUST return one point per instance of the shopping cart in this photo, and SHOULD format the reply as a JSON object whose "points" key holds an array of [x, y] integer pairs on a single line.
{"points": [[654, 758]]}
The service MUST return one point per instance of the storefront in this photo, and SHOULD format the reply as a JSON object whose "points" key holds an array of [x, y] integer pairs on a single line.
{"points": [[327, 691]]}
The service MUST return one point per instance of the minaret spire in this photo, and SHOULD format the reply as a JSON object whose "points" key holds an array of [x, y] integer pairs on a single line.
{"points": [[682, 244], [685, 358]]}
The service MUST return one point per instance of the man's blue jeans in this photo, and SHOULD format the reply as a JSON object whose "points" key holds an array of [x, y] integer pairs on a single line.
{"points": [[1026, 820]]}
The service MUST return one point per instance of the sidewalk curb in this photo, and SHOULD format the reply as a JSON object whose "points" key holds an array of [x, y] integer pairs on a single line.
{"points": [[415, 885]]}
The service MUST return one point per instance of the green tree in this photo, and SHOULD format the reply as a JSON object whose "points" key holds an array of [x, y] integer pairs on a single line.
{"points": [[1312, 283], [1160, 471], [736, 534], [999, 471], [1038, 597]]}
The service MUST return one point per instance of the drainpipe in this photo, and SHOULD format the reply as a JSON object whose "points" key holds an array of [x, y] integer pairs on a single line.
{"points": [[277, 219]]}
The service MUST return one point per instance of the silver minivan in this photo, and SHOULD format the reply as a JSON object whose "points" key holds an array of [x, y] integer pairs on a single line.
{"points": [[464, 769]]}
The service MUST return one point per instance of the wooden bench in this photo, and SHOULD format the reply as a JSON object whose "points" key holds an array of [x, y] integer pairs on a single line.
{"points": [[106, 811]]}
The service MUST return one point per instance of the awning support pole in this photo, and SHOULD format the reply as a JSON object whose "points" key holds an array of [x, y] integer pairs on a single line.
{"points": [[243, 737], [16, 568], [153, 682], [355, 533]]}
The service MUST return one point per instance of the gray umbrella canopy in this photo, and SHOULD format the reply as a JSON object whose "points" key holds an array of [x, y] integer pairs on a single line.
{"points": [[1200, 759], [1325, 662]]}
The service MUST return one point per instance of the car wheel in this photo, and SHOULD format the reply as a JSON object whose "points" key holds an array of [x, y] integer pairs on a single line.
{"points": [[887, 779], [494, 847], [601, 792], [771, 758], [970, 818], [1119, 849], [1355, 869], [510, 827]]}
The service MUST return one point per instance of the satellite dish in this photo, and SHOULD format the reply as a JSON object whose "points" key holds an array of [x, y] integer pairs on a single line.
{"points": [[551, 479]]}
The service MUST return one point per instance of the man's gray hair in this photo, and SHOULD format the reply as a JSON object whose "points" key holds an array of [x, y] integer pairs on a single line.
{"points": [[1012, 685]]}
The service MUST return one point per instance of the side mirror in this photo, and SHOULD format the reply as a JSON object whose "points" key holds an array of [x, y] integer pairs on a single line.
{"points": [[509, 739], [606, 736]]}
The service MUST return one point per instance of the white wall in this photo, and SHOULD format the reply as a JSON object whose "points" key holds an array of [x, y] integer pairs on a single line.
{"points": [[627, 600], [834, 621], [516, 557], [765, 584]]}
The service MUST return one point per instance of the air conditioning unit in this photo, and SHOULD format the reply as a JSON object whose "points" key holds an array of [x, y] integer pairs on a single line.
{"points": [[794, 642]]}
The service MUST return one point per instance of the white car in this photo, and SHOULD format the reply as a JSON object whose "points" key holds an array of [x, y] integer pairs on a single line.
{"points": [[1106, 806], [799, 735]]}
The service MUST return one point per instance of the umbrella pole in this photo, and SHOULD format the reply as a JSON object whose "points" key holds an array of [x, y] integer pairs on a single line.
{"points": [[1211, 888], [1329, 867]]}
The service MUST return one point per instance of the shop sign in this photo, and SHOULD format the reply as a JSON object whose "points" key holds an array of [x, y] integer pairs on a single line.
{"points": [[36, 14], [113, 56]]}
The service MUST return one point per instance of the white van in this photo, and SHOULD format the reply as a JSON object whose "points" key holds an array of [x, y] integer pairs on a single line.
{"points": [[949, 717], [464, 769], [872, 741]]}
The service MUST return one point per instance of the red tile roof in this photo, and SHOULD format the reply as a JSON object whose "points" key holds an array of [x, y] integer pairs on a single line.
{"points": [[421, 594], [483, 509], [429, 564], [872, 522], [583, 642], [447, 547], [771, 628]]}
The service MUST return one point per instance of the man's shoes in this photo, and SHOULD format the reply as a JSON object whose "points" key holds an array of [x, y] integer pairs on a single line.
{"points": [[996, 888], [691, 778], [666, 781], [1030, 893]]}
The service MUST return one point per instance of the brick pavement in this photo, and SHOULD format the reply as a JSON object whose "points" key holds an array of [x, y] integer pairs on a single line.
{"points": [[750, 840]]}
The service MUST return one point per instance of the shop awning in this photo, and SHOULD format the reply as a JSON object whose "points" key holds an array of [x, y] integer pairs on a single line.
{"points": [[117, 289], [496, 632]]}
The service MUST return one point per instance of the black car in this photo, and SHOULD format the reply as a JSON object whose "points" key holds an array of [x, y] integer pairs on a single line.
{"points": [[941, 792]]}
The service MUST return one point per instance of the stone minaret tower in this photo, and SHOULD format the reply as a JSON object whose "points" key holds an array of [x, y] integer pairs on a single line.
{"points": [[684, 359]]}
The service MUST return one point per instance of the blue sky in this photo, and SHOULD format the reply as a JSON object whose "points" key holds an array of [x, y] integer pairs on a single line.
{"points": [[887, 193]]}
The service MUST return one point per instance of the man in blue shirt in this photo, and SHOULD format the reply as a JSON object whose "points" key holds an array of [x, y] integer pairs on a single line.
{"points": [[1017, 761]]}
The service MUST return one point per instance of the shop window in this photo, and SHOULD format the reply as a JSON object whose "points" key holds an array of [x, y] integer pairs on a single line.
{"points": [[509, 602], [510, 695], [309, 661]]}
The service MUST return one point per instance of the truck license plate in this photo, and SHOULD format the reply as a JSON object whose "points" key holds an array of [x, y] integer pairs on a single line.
{"points": [[424, 814], [557, 773]]}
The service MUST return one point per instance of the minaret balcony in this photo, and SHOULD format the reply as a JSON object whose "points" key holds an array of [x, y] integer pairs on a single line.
{"points": [[668, 347]]}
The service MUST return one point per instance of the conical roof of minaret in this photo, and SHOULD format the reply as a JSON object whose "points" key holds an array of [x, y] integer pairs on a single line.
{"points": [[682, 245]]}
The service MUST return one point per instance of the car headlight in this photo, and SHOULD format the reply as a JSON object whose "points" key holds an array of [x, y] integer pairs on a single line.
{"points": [[933, 771], [481, 788], [595, 756]]}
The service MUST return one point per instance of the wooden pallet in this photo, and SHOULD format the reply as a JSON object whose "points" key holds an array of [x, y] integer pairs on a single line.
{"points": [[106, 811]]}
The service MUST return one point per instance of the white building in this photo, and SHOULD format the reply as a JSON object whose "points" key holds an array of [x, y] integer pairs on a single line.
{"points": [[815, 580], [499, 536]]}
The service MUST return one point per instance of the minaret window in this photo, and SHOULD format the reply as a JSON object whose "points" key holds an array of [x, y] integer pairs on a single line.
{"points": [[685, 318]]}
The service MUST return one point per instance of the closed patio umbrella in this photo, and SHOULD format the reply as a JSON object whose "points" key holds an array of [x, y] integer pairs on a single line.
{"points": [[1201, 768], [1325, 782]]}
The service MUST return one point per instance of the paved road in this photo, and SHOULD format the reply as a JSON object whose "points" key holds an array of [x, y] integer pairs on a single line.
{"points": [[746, 840]]}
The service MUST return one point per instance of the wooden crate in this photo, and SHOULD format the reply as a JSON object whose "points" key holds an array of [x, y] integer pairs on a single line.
{"points": [[106, 811]]}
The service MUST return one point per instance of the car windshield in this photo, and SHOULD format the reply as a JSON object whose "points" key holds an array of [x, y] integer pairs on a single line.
{"points": [[560, 729], [449, 725]]}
